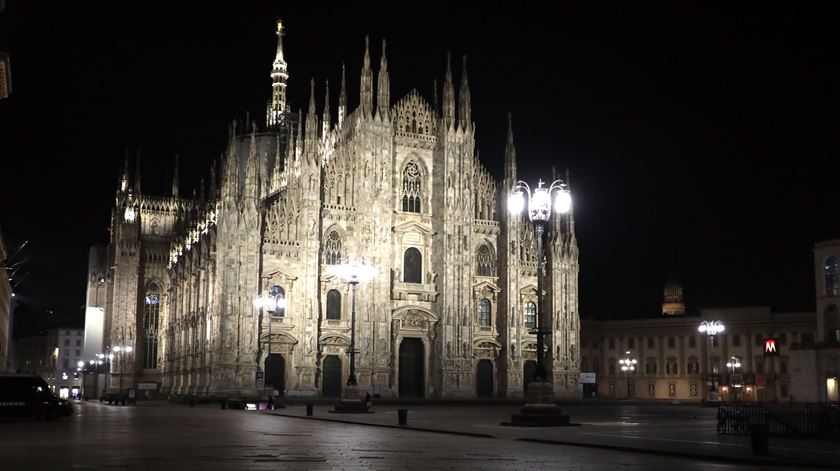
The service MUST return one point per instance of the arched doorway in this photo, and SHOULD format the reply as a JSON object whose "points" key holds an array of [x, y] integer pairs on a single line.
{"points": [[412, 373], [332, 376], [484, 380], [275, 372], [528, 374]]}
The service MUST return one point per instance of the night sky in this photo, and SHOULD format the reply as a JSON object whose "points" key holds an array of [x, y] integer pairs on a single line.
{"points": [[702, 143]]}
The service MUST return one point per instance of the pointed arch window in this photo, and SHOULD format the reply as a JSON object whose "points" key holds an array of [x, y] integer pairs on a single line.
{"points": [[411, 188], [151, 317], [832, 281], [332, 249], [530, 315], [484, 312], [333, 305], [484, 262], [412, 266]]}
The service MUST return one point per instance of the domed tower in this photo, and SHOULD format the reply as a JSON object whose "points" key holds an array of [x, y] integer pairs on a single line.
{"points": [[673, 304]]}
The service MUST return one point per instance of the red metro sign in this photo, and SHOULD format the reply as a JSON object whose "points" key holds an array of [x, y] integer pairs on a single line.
{"points": [[771, 347]]}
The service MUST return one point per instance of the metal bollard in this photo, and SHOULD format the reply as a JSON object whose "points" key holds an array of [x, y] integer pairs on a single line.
{"points": [[309, 407], [403, 416]]}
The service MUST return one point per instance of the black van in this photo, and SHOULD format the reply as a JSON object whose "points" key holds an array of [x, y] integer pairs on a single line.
{"points": [[23, 395]]}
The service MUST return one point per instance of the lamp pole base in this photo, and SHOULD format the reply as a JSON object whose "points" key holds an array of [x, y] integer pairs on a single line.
{"points": [[351, 403], [540, 410]]}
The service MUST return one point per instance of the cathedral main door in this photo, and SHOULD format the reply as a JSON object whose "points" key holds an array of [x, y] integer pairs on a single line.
{"points": [[275, 372], [484, 379], [412, 373], [332, 376]]}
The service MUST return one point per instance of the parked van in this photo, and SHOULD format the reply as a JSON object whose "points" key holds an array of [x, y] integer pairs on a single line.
{"points": [[23, 395]]}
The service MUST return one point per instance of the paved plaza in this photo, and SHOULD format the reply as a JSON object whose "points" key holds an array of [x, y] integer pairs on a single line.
{"points": [[164, 436]]}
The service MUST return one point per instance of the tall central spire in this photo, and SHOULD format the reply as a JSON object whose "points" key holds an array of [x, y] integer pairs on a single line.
{"points": [[383, 87], [279, 74], [366, 92]]}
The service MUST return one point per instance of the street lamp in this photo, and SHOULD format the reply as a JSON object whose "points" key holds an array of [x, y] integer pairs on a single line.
{"points": [[539, 409], [734, 383], [353, 273], [628, 366], [711, 329], [275, 303], [121, 351], [539, 209]]}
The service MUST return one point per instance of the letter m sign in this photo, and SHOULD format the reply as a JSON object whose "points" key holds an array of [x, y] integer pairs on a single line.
{"points": [[771, 347]]}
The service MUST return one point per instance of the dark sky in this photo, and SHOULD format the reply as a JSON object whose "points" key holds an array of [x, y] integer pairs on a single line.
{"points": [[702, 143]]}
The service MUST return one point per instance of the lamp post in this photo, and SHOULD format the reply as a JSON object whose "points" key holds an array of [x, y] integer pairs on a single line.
{"points": [[539, 209], [732, 364], [121, 351], [353, 273], [628, 367], [711, 329], [539, 409]]}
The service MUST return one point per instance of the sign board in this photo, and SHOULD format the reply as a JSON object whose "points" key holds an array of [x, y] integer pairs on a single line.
{"points": [[587, 378], [260, 374], [147, 386], [771, 347]]}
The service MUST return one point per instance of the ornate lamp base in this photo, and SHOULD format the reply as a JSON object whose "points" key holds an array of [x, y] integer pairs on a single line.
{"points": [[351, 403], [540, 410]]}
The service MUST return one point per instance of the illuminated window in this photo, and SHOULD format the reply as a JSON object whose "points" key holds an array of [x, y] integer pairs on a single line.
{"points": [[484, 312], [151, 317], [832, 281], [333, 305], [411, 188], [332, 249], [530, 315]]}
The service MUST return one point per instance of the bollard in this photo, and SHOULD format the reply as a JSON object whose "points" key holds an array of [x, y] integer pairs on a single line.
{"points": [[192, 402], [403, 416], [309, 406], [758, 438], [224, 404]]}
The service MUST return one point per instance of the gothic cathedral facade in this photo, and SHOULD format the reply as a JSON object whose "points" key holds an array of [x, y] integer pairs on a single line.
{"points": [[449, 313]]}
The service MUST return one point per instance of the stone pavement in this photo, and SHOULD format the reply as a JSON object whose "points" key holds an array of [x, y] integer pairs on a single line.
{"points": [[661, 429], [164, 437]]}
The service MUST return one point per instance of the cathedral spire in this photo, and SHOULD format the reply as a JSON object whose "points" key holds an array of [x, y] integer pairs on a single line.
{"points": [[366, 91], [510, 157], [311, 116], [137, 174], [464, 113], [325, 124], [383, 87], [279, 76], [448, 95], [175, 179], [342, 99], [125, 176], [434, 95], [213, 181]]}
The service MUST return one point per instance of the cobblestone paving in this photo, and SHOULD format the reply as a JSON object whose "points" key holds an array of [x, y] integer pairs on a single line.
{"points": [[112, 437]]}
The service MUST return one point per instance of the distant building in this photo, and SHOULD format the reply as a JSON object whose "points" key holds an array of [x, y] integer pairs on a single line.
{"points": [[54, 355], [5, 310], [816, 365], [675, 361]]}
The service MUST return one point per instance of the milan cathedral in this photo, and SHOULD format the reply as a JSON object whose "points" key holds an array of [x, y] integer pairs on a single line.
{"points": [[396, 183]]}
